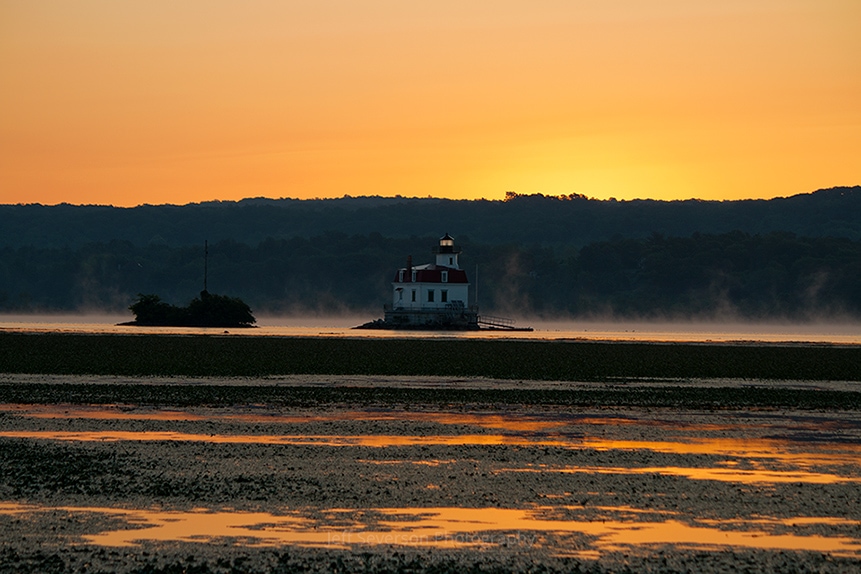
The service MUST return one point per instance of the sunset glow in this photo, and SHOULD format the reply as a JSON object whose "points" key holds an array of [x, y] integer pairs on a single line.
{"points": [[448, 527], [159, 102]]}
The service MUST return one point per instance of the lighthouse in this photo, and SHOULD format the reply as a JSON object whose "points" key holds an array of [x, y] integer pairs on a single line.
{"points": [[433, 295]]}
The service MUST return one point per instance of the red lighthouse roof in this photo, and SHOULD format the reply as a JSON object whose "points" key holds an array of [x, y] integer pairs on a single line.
{"points": [[430, 274]]}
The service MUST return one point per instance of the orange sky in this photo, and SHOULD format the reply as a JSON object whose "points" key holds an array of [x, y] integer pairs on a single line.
{"points": [[124, 103]]}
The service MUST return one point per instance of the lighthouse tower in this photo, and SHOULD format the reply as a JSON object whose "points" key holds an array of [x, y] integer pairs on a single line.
{"points": [[446, 253]]}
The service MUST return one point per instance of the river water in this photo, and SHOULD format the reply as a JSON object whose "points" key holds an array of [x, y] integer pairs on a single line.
{"points": [[836, 332]]}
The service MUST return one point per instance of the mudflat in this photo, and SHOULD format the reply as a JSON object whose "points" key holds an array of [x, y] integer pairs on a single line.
{"points": [[375, 473], [225, 355]]}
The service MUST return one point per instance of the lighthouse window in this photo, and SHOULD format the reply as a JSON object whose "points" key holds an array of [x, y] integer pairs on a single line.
{"points": [[430, 295], [443, 296], [445, 276]]}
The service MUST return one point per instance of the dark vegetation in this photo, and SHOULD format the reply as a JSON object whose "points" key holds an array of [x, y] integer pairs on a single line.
{"points": [[571, 221], [250, 356], [208, 310], [778, 275], [789, 258]]}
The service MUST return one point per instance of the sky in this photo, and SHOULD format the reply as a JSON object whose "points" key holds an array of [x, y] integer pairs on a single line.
{"points": [[126, 103]]}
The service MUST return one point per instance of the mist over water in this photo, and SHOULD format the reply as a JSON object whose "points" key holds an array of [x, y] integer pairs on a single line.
{"points": [[824, 332]]}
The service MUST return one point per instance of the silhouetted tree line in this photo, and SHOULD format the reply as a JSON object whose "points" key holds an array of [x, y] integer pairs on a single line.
{"points": [[773, 275], [526, 220]]}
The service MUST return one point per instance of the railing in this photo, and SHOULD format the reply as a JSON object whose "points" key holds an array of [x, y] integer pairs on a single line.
{"points": [[496, 322], [446, 308]]}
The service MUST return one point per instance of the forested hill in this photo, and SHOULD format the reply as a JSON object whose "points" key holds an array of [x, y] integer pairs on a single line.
{"points": [[526, 220], [796, 258]]}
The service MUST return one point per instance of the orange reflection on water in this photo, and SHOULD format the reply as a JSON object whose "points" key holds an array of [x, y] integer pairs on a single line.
{"points": [[769, 449], [738, 333], [514, 422], [508, 421], [511, 421], [744, 476], [377, 441], [431, 462], [745, 448], [455, 527]]}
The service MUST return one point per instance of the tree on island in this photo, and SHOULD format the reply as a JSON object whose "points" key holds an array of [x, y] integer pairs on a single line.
{"points": [[208, 310]]}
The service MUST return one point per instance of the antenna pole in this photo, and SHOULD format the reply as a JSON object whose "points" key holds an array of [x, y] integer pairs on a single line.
{"points": [[205, 262]]}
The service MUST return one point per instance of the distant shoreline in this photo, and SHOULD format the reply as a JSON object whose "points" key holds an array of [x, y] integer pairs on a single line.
{"points": [[193, 325]]}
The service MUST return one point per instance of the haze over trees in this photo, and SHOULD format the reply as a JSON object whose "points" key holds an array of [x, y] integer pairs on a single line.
{"points": [[797, 257]]}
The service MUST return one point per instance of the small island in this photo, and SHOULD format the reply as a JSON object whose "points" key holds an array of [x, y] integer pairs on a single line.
{"points": [[208, 310]]}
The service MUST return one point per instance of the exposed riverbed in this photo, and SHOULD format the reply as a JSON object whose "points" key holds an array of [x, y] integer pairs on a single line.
{"points": [[255, 486]]}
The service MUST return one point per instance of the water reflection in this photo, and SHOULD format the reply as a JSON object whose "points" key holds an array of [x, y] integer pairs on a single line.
{"points": [[507, 421], [736, 475], [797, 463], [766, 449], [787, 451], [832, 332], [739, 460], [376, 441], [728, 473], [513, 422], [618, 528]]}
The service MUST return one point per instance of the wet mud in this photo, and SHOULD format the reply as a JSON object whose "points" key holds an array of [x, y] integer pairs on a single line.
{"points": [[427, 486]]}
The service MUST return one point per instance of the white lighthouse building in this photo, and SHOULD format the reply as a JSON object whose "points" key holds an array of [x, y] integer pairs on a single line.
{"points": [[434, 295]]}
